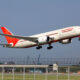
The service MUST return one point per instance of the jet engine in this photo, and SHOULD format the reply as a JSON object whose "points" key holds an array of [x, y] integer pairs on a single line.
{"points": [[66, 41]]}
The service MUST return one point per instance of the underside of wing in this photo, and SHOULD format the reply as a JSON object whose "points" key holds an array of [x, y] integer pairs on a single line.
{"points": [[33, 39]]}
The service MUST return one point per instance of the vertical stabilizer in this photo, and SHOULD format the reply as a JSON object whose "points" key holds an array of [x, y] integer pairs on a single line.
{"points": [[10, 40]]}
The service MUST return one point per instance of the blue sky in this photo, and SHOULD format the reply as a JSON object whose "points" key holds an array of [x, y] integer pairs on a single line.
{"points": [[27, 17]]}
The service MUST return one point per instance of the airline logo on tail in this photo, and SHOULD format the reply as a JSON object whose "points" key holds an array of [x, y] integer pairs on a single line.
{"points": [[10, 40]]}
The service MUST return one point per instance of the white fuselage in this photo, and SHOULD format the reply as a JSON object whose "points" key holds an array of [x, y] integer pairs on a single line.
{"points": [[57, 35]]}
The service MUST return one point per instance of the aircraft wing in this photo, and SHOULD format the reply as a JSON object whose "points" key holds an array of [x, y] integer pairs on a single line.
{"points": [[33, 39]]}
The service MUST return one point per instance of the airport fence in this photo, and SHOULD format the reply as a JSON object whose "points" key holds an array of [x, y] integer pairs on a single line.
{"points": [[39, 72], [39, 61], [28, 68]]}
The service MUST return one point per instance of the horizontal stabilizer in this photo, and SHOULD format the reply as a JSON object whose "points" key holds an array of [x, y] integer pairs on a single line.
{"points": [[6, 45]]}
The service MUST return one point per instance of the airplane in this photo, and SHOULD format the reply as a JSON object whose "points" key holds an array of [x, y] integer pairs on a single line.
{"points": [[63, 36]]}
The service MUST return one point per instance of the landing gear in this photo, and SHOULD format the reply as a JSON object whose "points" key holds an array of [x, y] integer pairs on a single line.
{"points": [[39, 47], [50, 47]]}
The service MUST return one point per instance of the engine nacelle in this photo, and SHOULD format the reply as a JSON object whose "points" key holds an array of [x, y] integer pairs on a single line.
{"points": [[66, 41], [43, 39]]}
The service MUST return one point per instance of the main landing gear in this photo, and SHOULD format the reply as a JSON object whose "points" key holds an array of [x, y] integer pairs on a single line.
{"points": [[50, 47], [39, 47]]}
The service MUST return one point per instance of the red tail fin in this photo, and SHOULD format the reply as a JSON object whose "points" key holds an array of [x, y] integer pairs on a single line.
{"points": [[9, 39]]}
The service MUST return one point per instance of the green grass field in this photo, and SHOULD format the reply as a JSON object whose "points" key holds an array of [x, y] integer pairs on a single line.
{"points": [[38, 77]]}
